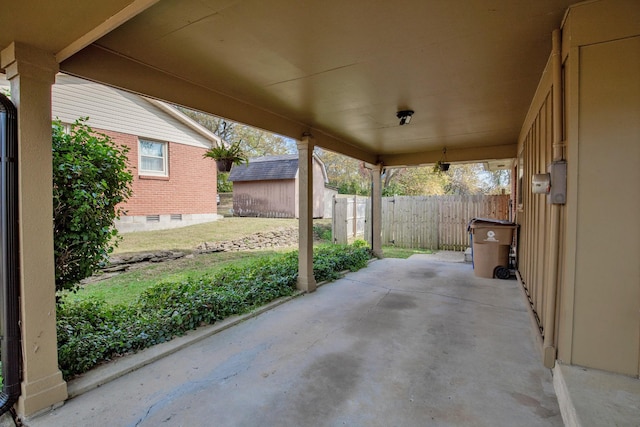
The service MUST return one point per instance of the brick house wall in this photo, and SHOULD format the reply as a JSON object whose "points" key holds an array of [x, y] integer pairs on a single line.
{"points": [[189, 190], [187, 195]]}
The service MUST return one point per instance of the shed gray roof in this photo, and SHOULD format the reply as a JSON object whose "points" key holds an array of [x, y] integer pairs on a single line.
{"points": [[266, 168]]}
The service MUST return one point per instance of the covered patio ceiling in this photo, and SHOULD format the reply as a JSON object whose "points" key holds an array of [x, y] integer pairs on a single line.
{"points": [[339, 70]]}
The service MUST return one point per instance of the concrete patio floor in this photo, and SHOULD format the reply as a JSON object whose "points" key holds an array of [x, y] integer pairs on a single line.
{"points": [[412, 342]]}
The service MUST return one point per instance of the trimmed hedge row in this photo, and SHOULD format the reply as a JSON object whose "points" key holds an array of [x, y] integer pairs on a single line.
{"points": [[91, 332]]}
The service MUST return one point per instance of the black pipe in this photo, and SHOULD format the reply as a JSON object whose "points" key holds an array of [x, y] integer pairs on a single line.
{"points": [[9, 262]]}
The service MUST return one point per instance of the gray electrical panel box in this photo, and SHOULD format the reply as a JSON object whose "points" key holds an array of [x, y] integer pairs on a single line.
{"points": [[558, 192]]}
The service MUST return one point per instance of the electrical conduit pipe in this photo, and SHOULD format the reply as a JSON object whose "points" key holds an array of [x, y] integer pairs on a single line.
{"points": [[551, 278]]}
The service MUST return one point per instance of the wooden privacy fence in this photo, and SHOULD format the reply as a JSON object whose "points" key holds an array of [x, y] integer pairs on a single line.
{"points": [[426, 222]]}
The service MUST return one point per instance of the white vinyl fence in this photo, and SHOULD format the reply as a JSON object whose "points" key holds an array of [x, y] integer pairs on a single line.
{"points": [[350, 215]]}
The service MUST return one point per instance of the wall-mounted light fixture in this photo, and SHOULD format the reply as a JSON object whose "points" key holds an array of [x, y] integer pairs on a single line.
{"points": [[404, 116]]}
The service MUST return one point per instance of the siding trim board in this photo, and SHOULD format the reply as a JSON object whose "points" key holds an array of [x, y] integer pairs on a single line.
{"points": [[598, 297]]}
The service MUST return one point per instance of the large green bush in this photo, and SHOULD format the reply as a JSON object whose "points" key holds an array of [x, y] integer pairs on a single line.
{"points": [[90, 180], [91, 332]]}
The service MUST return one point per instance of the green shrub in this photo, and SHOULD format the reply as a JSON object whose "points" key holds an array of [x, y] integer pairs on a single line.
{"points": [[323, 232], [91, 179], [91, 332]]}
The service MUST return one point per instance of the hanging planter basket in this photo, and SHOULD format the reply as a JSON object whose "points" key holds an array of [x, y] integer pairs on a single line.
{"points": [[442, 165], [224, 165], [226, 155]]}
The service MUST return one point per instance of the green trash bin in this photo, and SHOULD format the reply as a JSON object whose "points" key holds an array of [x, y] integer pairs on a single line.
{"points": [[491, 244]]}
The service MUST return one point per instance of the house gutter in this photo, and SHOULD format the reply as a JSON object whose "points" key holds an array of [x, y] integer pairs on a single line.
{"points": [[9, 263], [549, 351]]}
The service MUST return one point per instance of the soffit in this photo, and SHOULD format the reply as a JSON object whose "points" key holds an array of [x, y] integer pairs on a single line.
{"points": [[53, 25], [343, 69]]}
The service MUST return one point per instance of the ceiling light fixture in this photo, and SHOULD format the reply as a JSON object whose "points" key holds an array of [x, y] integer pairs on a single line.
{"points": [[404, 116]]}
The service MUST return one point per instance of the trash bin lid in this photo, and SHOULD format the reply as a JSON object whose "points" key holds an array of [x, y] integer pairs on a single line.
{"points": [[479, 222]]}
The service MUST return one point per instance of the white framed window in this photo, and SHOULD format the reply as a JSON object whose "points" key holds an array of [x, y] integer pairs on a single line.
{"points": [[153, 158]]}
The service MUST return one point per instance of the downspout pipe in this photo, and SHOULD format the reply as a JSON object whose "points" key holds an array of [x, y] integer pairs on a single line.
{"points": [[9, 263], [549, 351]]}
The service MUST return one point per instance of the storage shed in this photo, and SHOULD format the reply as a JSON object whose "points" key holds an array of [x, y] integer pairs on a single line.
{"points": [[268, 187]]}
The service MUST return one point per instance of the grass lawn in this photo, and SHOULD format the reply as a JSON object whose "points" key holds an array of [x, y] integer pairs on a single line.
{"points": [[125, 288], [187, 238], [394, 252]]}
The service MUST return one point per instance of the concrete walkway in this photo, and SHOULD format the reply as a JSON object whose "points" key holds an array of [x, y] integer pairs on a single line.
{"points": [[417, 342]]}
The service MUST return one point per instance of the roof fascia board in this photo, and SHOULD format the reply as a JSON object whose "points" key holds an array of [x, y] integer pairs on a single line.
{"points": [[103, 66]]}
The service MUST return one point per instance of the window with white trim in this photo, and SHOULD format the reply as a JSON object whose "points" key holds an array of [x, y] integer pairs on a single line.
{"points": [[153, 158]]}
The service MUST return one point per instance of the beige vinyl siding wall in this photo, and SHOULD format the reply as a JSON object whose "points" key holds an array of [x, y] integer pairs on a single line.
{"points": [[598, 307], [600, 299], [533, 214], [119, 111]]}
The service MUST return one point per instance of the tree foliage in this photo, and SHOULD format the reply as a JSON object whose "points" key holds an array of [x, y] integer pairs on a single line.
{"points": [[253, 142], [346, 174], [415, 181], [90, 181]]}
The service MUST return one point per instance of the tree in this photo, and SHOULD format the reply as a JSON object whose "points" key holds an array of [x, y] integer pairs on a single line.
{"points": [[472, 178], [253, 142], [348, 175], [465, 179], [415, 181], [90, 182], [495, 182]]}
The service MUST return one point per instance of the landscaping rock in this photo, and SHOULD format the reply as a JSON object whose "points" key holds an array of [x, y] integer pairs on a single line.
{"points": [[282, 238]]}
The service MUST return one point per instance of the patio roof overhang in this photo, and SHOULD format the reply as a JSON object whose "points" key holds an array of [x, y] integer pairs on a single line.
{"points": [[337, 70]]}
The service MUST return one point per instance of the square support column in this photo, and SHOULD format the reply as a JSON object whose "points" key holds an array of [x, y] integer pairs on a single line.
{"points": [[376, 210], [306, 281], [31, 73]]}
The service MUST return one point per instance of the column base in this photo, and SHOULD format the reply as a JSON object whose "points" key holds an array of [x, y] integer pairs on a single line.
{"points": [[306, 284], [42, 395], [549, 357]]}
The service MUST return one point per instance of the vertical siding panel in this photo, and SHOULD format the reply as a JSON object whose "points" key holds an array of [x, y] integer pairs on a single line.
{"points": [[534, 215]]}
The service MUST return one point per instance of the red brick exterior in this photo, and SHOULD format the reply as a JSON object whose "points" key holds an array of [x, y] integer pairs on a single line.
{"points": [[190, 187]]}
